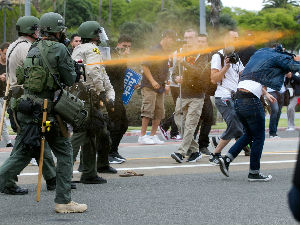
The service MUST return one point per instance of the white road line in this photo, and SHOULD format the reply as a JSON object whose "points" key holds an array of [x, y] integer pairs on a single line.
{"points": [[179, 166]]}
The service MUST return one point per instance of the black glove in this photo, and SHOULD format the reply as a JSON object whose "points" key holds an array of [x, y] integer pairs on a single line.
{"points": [[78, 71], [110, 105], [102, 96]]}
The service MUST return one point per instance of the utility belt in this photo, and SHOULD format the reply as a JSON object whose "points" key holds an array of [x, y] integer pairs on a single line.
{"points": [[28, 104]]}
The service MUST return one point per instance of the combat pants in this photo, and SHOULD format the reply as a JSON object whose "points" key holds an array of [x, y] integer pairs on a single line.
{"points": [[191, 109], [61, 148], [92, 146], [48, 165], [88, 149]]}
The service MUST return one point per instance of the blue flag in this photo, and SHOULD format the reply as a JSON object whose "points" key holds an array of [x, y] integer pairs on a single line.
{"points": [[131, 79]]}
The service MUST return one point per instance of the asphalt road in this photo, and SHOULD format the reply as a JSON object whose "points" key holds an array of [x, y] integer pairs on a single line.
{"points": [[168, 193]]}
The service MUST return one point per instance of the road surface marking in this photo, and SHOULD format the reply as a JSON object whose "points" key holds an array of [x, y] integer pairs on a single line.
{"points": [[179, 166]]}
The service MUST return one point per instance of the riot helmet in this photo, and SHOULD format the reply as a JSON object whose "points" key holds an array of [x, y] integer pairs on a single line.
{"points": [[52, 23], [27, 25], [92, 30]]}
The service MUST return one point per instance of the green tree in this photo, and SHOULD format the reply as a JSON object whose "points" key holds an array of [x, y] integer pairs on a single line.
{"points": [[280, 3], [77, 12]]}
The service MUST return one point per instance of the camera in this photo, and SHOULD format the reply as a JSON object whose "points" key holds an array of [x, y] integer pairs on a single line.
{"points": [[233, 58]]}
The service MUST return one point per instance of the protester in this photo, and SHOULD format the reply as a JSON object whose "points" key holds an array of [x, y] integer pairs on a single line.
{"points": [[3, 50], [174, 88], [276, 107], [267, 67], [74, 42], [295, 83], [207, 117], [118, 117], [294, 193], [225, 71], [153, 88], [194, 79]]}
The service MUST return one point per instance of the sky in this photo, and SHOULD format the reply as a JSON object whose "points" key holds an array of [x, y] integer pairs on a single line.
{"points": [[244, 4]]}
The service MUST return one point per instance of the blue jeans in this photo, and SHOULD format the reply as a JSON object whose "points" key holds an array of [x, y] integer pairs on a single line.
{"points": [[251, 114], [275, 112], [294, 202]]}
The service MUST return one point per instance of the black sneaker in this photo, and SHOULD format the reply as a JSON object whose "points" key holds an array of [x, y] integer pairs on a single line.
{"points": [[258, 177], [177, 156], [214, 158], [118, 156], [114, 160], [204, 151], [9, 145], [224, 165], [195, 156], [51, 184]]}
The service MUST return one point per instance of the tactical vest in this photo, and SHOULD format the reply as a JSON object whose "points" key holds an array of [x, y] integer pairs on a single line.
{"points": [[35, 76]]}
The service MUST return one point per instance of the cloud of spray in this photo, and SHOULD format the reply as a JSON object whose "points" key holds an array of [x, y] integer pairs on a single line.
{"points": [[259, 37]]}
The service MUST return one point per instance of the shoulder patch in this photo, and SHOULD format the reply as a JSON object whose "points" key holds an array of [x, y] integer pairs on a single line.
{"points": [[96, 50]]}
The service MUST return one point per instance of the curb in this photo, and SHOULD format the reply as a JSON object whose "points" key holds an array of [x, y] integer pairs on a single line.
{"points": [[215, 131], [138, 132]]}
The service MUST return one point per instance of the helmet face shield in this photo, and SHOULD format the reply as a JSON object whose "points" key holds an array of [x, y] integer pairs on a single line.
{"points": [[102, 35]]}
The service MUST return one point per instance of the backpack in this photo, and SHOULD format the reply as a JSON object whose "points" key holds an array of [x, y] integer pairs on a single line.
{"points": [[34, 75]]}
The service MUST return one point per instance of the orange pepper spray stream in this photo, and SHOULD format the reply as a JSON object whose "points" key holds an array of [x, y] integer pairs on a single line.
{"points": [[261, 37]]}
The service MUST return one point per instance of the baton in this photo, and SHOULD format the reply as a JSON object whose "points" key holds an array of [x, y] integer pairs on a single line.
{"points": [[4, 108], [39, 185]]}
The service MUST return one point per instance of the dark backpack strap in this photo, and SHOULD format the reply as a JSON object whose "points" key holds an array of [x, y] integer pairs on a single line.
{"points": [[12, 52], [222, 58]]}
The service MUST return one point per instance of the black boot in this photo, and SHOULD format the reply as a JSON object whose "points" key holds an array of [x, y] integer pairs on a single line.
{"points": [[107, 169], [15, 191], [93, 180], [51, 184]]}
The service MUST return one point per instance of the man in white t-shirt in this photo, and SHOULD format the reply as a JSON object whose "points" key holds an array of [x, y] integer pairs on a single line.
{"points": [[225, 71]]}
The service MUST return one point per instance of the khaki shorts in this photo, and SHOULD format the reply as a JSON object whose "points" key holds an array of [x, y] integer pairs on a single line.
{"points": [[152, 104]]}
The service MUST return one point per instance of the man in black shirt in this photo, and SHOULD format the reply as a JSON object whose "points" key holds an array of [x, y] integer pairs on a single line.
{"points": [[3, 49], [118, 117]]}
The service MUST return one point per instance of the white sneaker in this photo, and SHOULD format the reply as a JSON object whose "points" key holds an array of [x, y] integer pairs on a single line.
{"points": [[33, 162], [146, 140], [176, 138], [156, 140], [290, 129], [274, 137]]}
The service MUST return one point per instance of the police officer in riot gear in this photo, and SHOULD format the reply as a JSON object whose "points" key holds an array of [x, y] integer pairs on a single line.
{"points": [[28, 31], [40, 84], [98, 90]]}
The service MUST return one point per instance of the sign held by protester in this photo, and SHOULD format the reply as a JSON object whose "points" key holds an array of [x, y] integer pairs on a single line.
{"points": [[131, 79]]}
